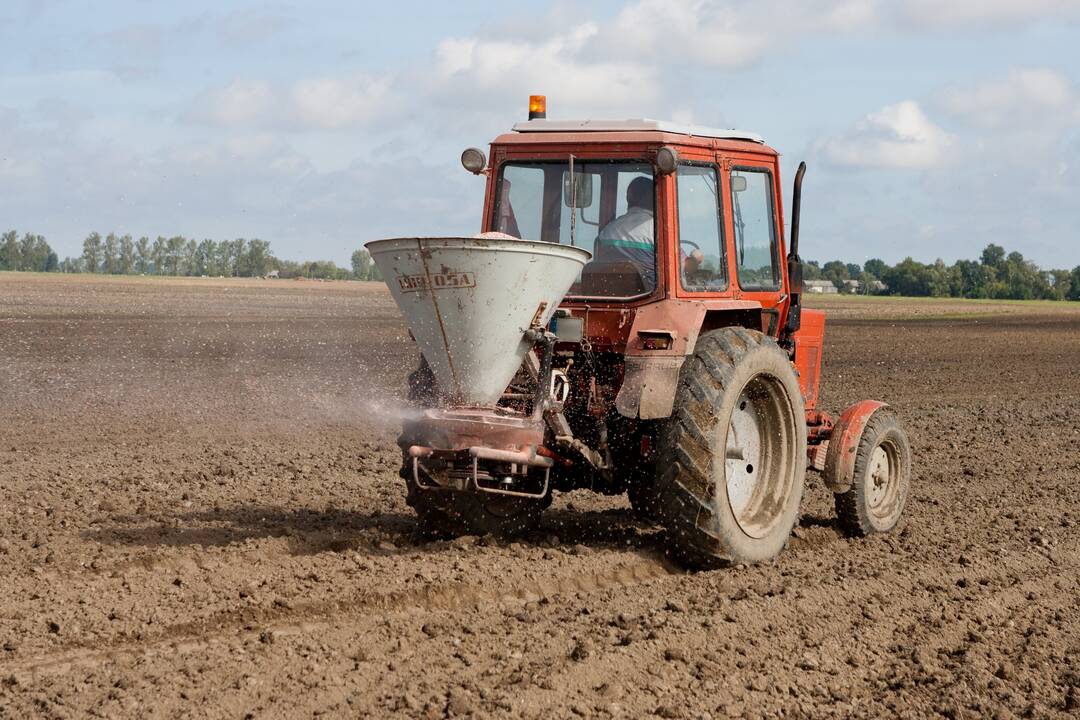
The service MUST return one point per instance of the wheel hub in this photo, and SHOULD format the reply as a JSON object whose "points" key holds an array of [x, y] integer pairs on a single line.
{"points": [[758, 455], [743, 456], [878, 470]]}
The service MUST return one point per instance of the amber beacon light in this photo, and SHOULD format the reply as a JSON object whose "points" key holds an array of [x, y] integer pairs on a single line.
{"points": [[537, 106]]}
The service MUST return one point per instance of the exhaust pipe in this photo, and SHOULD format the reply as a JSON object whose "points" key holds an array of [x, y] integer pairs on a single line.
{"points": [[794, 262]]}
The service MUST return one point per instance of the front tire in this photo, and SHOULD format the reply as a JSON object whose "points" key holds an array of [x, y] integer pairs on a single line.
{"points": [[733, 456], [881, 479]]}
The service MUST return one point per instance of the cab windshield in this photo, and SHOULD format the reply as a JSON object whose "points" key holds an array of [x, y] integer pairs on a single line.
{"points": [[608, 209]]}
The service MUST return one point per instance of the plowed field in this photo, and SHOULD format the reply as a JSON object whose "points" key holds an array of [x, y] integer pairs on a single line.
{"points": [[200, 516]]}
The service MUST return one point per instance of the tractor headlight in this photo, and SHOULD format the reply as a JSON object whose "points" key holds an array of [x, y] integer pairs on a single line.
{"points": [[474, 160]]}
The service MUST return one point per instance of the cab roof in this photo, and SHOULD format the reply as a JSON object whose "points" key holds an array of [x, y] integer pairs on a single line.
{"points": [[557, 132], [643, 125]]}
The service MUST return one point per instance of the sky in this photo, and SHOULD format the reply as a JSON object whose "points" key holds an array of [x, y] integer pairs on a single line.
{"points": [[930, 127]]}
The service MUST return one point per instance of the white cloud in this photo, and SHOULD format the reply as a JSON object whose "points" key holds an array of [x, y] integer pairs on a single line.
{"points": [[737, 33], [1023, 100], [898, 136], [728, 33], [963, 13], [333, 103], [319, 103], [239, 103], [558, 65]]}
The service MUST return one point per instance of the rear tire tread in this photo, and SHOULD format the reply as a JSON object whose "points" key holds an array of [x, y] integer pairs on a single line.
{"points": [[686, 496]]}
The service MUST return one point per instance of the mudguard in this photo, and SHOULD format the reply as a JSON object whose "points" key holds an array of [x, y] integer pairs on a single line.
{"points": [[844, 444]]}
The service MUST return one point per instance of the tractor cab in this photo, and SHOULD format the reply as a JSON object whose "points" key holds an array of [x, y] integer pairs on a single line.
{"points": [[708, 227], [685, 227], [666, 209]]}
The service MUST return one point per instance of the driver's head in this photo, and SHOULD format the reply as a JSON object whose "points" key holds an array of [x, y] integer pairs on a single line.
{"points": [[639, 193]]}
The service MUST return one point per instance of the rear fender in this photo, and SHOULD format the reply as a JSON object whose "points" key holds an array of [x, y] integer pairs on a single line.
{"points": [[651, 376], [844, 444]]}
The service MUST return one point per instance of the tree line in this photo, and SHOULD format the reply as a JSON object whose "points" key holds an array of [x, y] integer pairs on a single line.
{"points": [[114, 254], [995, 275]]}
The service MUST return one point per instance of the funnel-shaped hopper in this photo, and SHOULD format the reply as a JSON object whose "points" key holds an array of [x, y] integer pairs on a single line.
{"points": [[469, 302]]}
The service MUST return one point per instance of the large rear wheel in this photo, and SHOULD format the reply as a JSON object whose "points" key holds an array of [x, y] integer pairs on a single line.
{"points": [[733, 455]]}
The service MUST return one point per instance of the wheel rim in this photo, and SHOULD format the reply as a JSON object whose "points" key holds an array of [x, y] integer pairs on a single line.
{"points": [[759, 453], [883, 479]]}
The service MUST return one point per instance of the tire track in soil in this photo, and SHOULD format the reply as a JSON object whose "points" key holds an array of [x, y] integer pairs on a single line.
{"points": [[297, 618]]}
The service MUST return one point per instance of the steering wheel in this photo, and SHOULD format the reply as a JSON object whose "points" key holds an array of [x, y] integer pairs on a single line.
{"points": [[691, 244]]}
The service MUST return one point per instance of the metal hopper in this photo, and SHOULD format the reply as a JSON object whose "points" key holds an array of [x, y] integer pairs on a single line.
{"points": [[470, 301]]}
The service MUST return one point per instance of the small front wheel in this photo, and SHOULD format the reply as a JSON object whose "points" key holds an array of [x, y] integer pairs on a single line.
{"points": [[882, 478]]}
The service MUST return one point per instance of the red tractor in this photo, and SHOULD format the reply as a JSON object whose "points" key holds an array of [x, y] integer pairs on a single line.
{"points": [[680, 366]]}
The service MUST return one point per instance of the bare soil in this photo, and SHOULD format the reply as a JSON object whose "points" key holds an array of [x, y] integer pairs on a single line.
{"points": [[200, 516]]}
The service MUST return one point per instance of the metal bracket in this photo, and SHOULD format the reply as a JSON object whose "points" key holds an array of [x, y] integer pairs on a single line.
{"points": [[472, 483]]}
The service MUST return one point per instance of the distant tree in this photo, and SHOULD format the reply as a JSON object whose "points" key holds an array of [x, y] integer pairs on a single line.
{"points": [[1074, 283], [258, 258], [33, 253], [361, 264], [191, 251], [1059, 282], [159, 255], [92, 253], [1021, 279], [143, 257], [993, 256], [207, 258], [127, 255], [225, 258], [111, 263], [52, 262], [286, 268], [204, 255], [938, 279], [970, 279], [875, 267], [238, 254], [837, 272], [323, 269], [26, 253], [854, 270], [9, 251], [174, 254], [42, 253], [908, 277]]}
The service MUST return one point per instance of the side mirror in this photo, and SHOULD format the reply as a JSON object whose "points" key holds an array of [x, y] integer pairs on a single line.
{"points": [[582, 197], [738, 183]]}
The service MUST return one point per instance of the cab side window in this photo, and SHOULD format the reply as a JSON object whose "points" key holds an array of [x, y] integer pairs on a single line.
{"points": [[755, 229], [702, 267]]}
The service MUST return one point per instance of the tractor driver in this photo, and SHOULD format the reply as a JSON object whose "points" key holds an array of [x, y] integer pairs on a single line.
{"points": [[629, 237]]}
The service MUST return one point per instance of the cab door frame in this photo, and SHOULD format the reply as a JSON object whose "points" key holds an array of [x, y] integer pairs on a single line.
{"points": [[771, 299]]}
